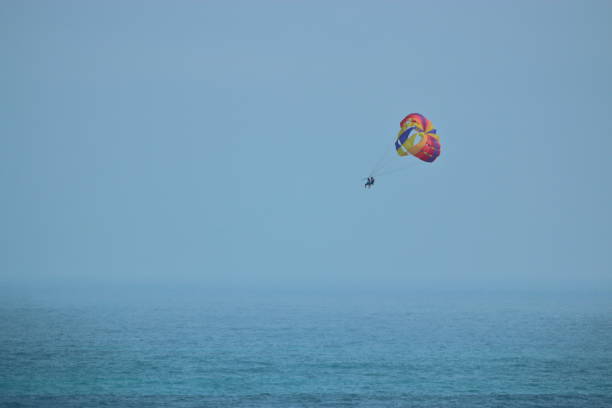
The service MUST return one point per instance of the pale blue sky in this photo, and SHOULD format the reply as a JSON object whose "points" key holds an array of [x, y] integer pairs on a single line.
{"points": [[221, 144]]}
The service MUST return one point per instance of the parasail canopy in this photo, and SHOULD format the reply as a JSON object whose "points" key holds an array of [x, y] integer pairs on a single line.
{"points": [[418, 137]]}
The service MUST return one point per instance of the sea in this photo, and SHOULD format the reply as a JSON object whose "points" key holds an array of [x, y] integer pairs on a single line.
{"points": [[307, 350]]}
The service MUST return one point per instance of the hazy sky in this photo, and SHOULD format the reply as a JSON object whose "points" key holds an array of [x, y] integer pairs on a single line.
{"points": [[222, 144]]}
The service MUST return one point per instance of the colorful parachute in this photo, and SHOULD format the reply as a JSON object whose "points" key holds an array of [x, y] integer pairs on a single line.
{"points": [[418, 137]]}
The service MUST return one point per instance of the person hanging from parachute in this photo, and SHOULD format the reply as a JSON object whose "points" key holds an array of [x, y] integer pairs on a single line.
{"points": [[417, 137]]}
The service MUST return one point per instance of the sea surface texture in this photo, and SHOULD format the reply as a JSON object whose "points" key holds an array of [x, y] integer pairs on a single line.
{"points": [[308, 351]]}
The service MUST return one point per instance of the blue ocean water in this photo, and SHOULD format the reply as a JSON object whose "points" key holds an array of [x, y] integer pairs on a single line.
{"points": [[435, 350]]}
